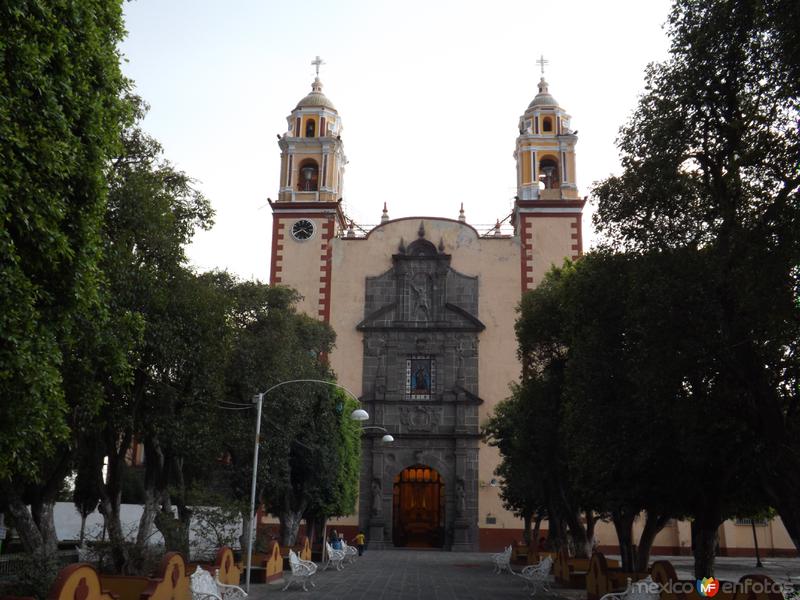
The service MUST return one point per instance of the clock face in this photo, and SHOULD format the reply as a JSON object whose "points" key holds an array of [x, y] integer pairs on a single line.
{"points": [[302, 229]]}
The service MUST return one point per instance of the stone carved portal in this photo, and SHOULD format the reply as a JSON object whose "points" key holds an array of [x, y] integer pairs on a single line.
{"points": [[418, 508], [421, 336]]}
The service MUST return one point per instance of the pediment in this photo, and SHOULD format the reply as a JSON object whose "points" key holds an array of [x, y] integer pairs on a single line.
{"points": [[454, 318]]}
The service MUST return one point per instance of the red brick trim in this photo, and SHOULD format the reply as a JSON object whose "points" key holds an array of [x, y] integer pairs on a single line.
{"points": [[288, 208], [324, 302], [276, 257], [551, 203], [524, 248], [567, 215]]}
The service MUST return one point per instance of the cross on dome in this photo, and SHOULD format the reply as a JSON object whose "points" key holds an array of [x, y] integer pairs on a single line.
{"points": [[540, 61], [317, 62]]}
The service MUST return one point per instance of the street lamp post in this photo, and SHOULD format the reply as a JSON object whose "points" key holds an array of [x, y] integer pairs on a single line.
{"points": [[387, 438], [358, 414]]}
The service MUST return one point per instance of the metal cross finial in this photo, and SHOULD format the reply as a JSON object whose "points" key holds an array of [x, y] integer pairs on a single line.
{"points": [[317, 62], [541, 62]]}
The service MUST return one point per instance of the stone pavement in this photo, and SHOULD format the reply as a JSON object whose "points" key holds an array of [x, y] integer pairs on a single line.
{"points": [[437, 575], [733, 568], [407, 575]]}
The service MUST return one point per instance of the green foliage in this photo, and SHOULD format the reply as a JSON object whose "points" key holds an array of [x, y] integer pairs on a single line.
{"points": [[339, 459], [310, 451], [710, 161], [520, 467], [60, 114]]}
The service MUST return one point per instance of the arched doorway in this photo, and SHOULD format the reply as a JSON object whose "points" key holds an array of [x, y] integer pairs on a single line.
{"points": [[418, 502]]}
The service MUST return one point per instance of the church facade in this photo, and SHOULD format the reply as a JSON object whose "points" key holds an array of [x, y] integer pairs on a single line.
{"points": [[424, 309]]}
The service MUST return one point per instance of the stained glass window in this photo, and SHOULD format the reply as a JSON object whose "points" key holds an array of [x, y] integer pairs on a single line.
{"points": [[420, 377]]}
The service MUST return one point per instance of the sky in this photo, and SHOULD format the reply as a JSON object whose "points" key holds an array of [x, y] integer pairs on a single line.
{"points": [[429, 92]]}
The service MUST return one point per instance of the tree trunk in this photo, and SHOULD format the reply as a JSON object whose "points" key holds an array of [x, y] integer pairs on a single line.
{"points": [[654, 523], [113, 525], [83, 528], [42, 511], [537, 526], [577, 534], [623, 524], [175, 529], [755, 543], [591, 522], [556, 536], [290, 525], [526, 528], [111, 497], [247, 524], [147, 520], [314, 528], [704, 537], [22, 520]]}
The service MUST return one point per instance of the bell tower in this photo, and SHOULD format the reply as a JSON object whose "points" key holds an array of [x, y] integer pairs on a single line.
{"points": [[548, 209], [312, 153], [545, 151], [307, 214]]}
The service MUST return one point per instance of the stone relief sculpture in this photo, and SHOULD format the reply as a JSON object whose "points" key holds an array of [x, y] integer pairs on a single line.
{"points": [[422, 306], [376, 497], [461, 498]]}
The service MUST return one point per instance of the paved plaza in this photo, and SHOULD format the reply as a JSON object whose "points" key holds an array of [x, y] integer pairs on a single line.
{"points": [[409, 575], [436, 575]]}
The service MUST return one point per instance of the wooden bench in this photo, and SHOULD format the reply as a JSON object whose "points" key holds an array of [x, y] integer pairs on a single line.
{"points": [[170, 582], [571, 571], [301, 571], [206, 587], [78, 582], [757, 587], [605, 576]]}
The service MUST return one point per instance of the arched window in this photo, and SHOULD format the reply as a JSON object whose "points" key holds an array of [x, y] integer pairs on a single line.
{"points": [[548, 173], [309, 176], [310, 128], [547, 124]]}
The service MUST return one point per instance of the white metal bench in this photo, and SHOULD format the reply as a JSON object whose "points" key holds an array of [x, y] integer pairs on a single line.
{"points": [[644, 589], [302, 570], [350, 552], [538, 576], [335, 557], [205, 587], [502, 561]]}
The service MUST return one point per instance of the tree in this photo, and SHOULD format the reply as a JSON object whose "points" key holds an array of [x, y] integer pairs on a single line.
{"points": [[336, 490], [520, 487], [60, 114], [152, 213], [544, 344], [272, 343], [710, 162], [618, 411]]}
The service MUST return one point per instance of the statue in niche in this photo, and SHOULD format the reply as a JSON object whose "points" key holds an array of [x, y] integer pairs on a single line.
{"points": [[376, 497], [460, 364], [380, 375], [381, 357], [461, 498], [421, 302]]}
